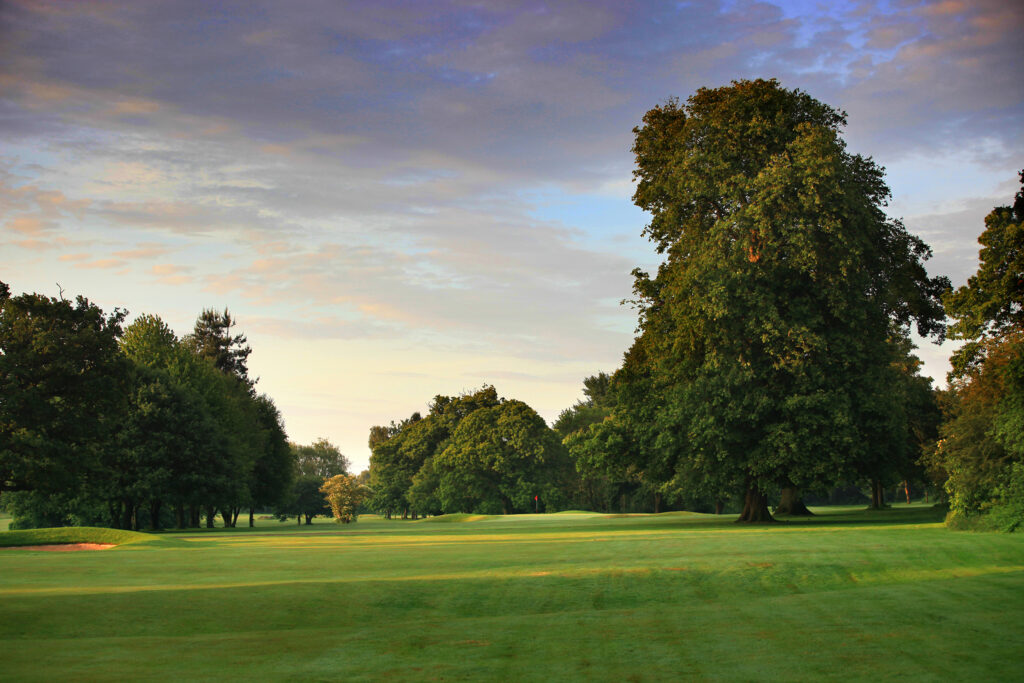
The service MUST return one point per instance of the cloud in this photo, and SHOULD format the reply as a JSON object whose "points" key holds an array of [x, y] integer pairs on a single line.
{"points": [[413, 173], [144, 251]]}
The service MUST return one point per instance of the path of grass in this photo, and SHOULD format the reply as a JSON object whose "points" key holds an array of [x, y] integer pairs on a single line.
{"points": [[847, 595]]}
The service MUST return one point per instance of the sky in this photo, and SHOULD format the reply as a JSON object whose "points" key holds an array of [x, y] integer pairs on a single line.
{"points": [[403, 199]]}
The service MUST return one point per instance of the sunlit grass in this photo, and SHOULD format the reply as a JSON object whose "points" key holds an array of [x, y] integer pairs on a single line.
{"points": [[548, 597]]}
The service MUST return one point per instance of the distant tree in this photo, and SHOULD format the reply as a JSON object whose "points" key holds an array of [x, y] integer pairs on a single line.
{"points": [[62, 387], [423, 491], [503, 455], [161, 439], [344, 494], [305, 500], [275, 468], [320, 459], [397, 459], [901, 425]]}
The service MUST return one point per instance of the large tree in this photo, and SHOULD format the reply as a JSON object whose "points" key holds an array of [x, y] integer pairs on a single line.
{"points": [[782, 282]]}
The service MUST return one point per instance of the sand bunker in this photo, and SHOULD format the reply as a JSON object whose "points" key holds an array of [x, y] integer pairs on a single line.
{"points": [[63, 547]]}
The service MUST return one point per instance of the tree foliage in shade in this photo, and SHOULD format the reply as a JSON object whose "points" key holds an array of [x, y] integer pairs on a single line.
{"points": [[991, 304], [982, 447], [503, 455], [403, 449], [274, 469], [62, 383], [595, 406], [782, 283], [320, 459], [102, 426]]}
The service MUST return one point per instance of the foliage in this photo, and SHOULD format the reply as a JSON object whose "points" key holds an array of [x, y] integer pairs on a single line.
{"points": [[982, 444], [275, 468], [304, 500], [980, 440], [991, 304], [212, 339], [61, 379], [344, 494], [402, 450], [502, 455], [764, 331], [320, 459], [1006, 511], [100, 427], [595, 406]]}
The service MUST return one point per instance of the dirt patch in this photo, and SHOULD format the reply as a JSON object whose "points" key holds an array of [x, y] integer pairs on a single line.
{"points": [[63, 547]]}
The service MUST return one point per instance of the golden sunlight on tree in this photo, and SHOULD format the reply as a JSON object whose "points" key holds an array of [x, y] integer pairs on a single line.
{"points": [[344, 494]]}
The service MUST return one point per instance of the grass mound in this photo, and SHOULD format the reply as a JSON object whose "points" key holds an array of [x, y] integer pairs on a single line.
{"points": [[71, 534], [456, 517], [574, 512]]}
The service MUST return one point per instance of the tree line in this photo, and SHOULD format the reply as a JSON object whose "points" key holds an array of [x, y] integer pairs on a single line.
{"points": [[773, 359], [103, 424]]}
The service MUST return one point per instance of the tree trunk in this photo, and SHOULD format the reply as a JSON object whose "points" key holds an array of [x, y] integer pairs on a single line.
{"points": [[179, 515], [309, 520], [234, 516], [211, 516], [251, 520], [622, 502], [792, 503], [506, 505], [657, 502], [154, 514], [719, 507], [755, 508], [126, 514], [193, 516], [115, 515], [226, 516], [877, 494]]}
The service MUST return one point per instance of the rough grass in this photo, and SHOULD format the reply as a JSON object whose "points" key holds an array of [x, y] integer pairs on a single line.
{"points": [[846, 595], [456, 517], [74, 534]]}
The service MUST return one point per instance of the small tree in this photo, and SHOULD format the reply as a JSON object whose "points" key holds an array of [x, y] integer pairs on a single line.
{"points": [[344, 493]]}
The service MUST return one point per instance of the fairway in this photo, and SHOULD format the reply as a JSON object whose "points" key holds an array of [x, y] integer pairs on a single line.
{"points": [[847, 595]]}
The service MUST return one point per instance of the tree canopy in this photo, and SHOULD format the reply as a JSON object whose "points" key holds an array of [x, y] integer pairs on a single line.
{"points": [[764, 330], [63, 382]]}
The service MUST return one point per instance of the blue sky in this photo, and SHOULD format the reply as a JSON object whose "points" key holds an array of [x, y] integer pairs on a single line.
{"points": [[400, 199]]}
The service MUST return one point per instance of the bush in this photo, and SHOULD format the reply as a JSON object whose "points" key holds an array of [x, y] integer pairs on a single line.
{"points": [[1006, 512]]}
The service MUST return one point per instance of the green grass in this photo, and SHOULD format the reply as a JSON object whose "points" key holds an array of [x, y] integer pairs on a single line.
{"points": [[75, 534], [847, 595]]}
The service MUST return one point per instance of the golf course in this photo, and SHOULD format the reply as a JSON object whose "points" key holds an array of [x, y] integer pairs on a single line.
{"points": [[848, 594]]}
